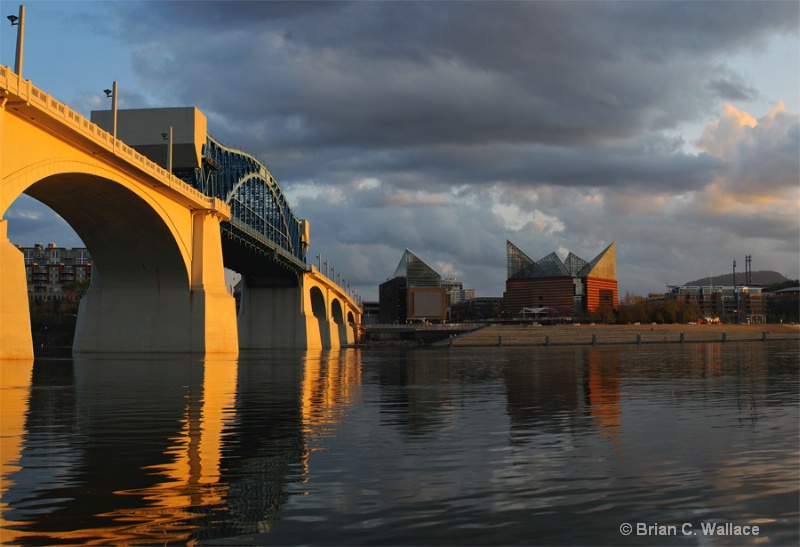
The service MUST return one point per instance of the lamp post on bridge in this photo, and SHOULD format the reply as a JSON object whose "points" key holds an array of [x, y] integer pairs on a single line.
{"points": [[112, 94], [19, 22], [168, 138]]}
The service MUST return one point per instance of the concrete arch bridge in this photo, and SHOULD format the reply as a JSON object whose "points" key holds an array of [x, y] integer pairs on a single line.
{"points": [[160, 238]]}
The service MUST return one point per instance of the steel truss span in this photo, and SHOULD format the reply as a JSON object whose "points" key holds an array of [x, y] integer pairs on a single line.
{"points": [[258, 205]]}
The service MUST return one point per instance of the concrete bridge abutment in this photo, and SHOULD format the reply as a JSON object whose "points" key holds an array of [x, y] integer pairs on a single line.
{"points": [[15, 320]]}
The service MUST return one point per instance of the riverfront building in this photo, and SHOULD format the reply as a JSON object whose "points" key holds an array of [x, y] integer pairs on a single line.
{"points": [[739, 304], [414, 293], [54, 272], [559, 289]]}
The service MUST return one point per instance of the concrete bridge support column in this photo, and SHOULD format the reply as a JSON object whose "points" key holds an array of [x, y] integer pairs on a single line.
{"points": [[160, 307], [213, 309], [285, 317], [340, 327], [15, 320], [273, 318]]}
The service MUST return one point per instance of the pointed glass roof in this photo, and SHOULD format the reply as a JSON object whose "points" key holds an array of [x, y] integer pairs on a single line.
{"points": [[574, 264], [416, 272], [519, 266], [550, 266], [604, 265]]}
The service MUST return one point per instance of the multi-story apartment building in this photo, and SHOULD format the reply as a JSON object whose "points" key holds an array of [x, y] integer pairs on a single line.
{"points": [[54, 272], [739, 304]]}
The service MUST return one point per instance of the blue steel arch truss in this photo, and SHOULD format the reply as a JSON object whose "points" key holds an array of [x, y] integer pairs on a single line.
{"points": [[261, 217]]}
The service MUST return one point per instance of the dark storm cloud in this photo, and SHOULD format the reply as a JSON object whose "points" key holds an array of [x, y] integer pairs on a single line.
{"points": [[406, 74], [732, 90], [447, 127]]}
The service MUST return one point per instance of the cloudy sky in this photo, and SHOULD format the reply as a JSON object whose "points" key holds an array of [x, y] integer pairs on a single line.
{"points": [[672, 129]]}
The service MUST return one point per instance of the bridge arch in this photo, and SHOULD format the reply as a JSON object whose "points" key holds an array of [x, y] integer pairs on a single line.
{"points": [[149, 281], [105, 209], [352, 323], [256, 199], [166, 226], [320, 311]]}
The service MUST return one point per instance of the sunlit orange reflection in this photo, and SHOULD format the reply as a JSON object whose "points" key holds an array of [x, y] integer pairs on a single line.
{"points": [[330, 384], [15, 387], [193, 473], [604, 396]]}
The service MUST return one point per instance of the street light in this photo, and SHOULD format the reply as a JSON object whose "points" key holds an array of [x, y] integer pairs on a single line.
{"points": [[168, 138], [19, 22], [112, 94]]}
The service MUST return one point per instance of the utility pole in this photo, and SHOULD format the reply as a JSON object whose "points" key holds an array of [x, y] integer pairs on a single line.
{"points": [[736, 294]]}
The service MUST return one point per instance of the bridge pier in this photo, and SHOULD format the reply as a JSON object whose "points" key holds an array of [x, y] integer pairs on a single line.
{"points": [[309, 316], [15, 320], [156, 310], [271, 318]]}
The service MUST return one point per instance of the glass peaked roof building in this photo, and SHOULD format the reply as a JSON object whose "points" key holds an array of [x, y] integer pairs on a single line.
{"points": [[572, 286], [417, 272], [414, 293], [520, 266]]}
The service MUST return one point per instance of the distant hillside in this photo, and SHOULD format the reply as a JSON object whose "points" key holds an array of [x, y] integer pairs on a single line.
{"points": [[764, 277]]}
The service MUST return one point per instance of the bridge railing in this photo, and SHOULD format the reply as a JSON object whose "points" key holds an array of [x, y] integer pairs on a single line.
{"points": [[338, 280], [37, 98]]}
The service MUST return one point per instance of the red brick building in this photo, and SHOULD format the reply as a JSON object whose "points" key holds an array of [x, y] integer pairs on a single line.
{"points": [[565, 288]]}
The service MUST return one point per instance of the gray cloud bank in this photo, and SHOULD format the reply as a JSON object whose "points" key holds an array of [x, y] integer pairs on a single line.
{"points": [[449, 127]]}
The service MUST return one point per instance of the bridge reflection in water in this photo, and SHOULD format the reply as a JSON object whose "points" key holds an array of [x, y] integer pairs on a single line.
{"points": [[136, 450], [130, 450], [479, 445]]}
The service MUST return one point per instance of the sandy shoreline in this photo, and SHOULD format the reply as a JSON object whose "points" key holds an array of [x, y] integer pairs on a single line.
{"points": [[513, 335]]}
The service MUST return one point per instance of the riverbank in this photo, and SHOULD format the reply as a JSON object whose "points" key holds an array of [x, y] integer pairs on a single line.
{"points": [[562, 335]]}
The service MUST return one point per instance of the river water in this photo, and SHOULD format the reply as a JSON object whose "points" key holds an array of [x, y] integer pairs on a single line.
{"points": [[460, 446]]}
